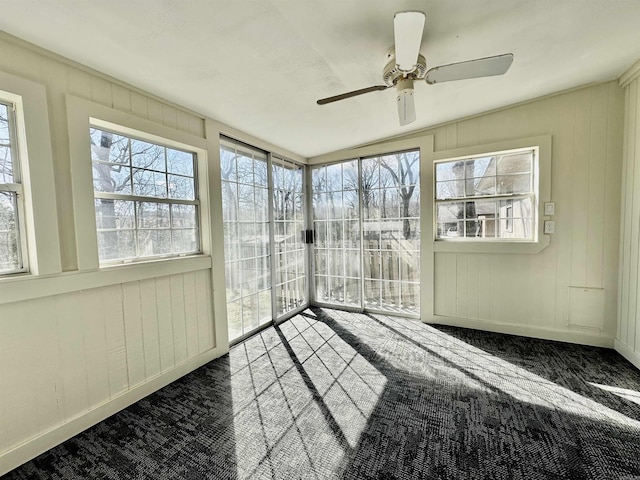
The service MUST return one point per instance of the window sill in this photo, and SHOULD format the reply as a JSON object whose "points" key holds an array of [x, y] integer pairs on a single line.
{"points": [[22, 287], [453, 246]]}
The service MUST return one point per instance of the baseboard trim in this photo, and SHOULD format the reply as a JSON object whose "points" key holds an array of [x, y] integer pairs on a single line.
{"points": [[628, 353], [33, 447], [581, 338]]}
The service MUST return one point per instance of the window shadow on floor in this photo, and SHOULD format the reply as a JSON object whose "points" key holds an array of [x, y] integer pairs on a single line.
{"points": [[339, 395], [585, 370]]}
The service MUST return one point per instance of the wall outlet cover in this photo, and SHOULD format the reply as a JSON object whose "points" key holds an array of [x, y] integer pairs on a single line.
{"points": [[549, 226]]}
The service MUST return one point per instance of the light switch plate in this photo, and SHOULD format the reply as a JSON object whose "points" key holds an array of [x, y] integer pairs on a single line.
{"points": [[550, 208], [549, 226]]}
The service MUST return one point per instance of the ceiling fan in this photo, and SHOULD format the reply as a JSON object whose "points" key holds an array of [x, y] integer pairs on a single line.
{"points": [[407, 64]]}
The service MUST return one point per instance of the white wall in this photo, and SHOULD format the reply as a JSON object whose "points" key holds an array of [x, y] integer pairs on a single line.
{"points": [[628, 332], [79, 344], [534, 294], [539, 294]]}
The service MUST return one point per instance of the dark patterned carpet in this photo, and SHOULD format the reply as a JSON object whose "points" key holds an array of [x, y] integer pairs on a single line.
{"points": [[340, 395]]}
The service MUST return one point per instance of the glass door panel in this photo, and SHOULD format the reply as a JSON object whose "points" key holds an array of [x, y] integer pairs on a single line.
{"points": [[336, 225], [366, 219], [247, 243], [289, 246], [391, 232]]}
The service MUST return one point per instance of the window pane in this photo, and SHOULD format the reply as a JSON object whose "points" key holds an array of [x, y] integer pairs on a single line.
{"points": [[115, 220], [147, 183], [183, 216], [449, 212], [480, 186], [228, 164], [446, 171], [6, 160], [319, 180], [334, 177], [260, 172], [154, 242], [116, 244], [350, 175], [515, 163], [514, 183], [147, 155], [452, 189], [114, 214], [181, 187], [320, 257], [245, 169], [108, 177], [229, 201], [180, 162], [517, 207], [480, 167], [184, 241], [9, 255], [153, 215], [109, 147]]}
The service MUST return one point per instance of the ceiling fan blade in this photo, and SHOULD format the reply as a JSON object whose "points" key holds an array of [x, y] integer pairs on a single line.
{"points": [[407, 31], [342, 96], [480, 67], [406, 102]]}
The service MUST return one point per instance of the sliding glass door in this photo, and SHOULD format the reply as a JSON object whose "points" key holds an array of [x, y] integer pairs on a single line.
{"points": [[366, 220], [290, 249], [366, 235], [247, 245], [265, 253]]}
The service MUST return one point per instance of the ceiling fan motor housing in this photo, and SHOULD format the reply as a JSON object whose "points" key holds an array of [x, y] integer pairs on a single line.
{"points": [[392, 72]]}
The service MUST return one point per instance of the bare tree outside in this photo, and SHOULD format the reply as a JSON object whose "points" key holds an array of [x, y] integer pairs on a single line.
{"points": [[125, 169], [385, 192], [9, 235]]}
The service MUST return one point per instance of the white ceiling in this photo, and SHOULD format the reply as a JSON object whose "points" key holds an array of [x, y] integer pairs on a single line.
{"points": [[260, 65]]}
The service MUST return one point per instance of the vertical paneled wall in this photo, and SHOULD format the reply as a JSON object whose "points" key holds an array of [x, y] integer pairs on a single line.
{"points": [[628, 333], [531, 293], [68, 360], [65, 355]]}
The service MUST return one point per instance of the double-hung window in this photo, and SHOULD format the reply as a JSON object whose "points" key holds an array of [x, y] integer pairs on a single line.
{"points": [[146, 198], [12, 238], [487, 197]]}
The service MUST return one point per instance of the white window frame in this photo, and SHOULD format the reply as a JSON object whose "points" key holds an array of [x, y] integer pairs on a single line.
{"points": [[542, 194], [16, 188], [531, 194], [82, 115], [150, 199], [37, 205]]}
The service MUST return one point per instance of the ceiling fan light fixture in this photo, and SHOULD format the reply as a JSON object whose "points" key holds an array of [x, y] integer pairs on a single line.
{"points": [[405, 100]]}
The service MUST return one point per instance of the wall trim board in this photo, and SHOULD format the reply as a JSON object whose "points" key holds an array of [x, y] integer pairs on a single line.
{"points": [[20, 454], [628, 353], [580, 338], [630, 75], [27, 287]]}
